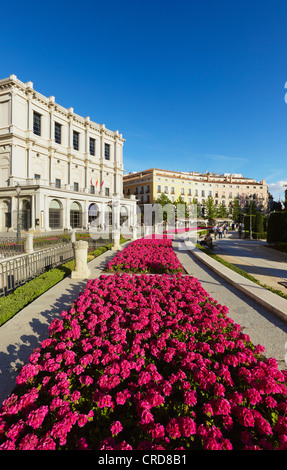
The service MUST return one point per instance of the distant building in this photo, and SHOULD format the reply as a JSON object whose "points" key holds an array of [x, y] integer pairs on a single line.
{"points": [[192, 187], [68, 167]]}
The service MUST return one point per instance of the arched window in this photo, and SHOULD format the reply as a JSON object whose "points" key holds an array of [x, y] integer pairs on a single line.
{"points": [[25, 215], [76, 215], [55, 214], [124, 216], [108, 215], [93, 212]]}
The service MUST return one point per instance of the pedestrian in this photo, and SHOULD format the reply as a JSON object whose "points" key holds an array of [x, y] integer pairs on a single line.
{"points": [[240, 230], [220, 230], [224, 230], [215, 230]]}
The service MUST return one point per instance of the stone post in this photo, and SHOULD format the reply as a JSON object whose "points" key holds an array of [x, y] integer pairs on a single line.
{"points": [[73, 236], [134, 231], [28, 243], [116, 240], [81, 264]]}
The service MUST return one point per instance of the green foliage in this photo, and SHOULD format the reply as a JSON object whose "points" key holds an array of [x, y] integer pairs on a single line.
{"points": [[23, 295], [236, 210], [210, 209], [222, 211], [277, 227]]}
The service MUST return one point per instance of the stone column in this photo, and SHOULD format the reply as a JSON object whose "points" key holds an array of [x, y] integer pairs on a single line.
{"points": [[116, 240], [28, 243], [81, 265], [134, 230]]}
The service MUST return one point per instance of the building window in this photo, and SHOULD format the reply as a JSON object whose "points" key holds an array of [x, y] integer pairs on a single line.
{"points": [[166, 189], [76, 186], [107, 151], [75, 140], [172, 190], [159, 188], [107, 191], [92, 189], [182, 191], [57, 183], [58, 133], [92, 147], [37, 123], [55, 214]]}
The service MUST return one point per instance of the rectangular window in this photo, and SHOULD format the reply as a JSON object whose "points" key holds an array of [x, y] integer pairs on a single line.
{"points": [[92, 189], [57, 183], [58, 133], [159, 188], [166, 189], [75, 140], [76, 186], [107, 191], [37, 123], [92, 147], [107, 151]]}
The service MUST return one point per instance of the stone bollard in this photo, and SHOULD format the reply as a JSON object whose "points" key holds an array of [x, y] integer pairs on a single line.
{"points": [[135, 235], [81, 264], [28, 243], [116, 240], [73, 236]]}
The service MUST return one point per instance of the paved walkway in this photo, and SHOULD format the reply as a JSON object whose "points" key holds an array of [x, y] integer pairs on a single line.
{"points": [[24, 332], [255, 257]]}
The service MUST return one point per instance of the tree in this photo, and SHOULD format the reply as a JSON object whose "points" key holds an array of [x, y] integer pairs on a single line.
{"points": [[222, 211], [183, 212], [163, 200], [236, 210], [210, 209]]}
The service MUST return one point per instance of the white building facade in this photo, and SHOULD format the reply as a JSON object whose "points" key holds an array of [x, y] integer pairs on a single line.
{"points": [[69, 169]]}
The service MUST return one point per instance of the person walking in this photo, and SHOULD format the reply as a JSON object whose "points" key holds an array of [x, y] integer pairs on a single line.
{"points": [[220, 230], [240, 230], [215, 231]]}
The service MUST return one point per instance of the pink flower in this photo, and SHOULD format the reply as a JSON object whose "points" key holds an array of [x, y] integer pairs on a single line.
{"points": [[36, 417], [116, 427]]}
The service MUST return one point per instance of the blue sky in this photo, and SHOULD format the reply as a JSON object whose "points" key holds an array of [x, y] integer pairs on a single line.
{"points": [[194, 85]]}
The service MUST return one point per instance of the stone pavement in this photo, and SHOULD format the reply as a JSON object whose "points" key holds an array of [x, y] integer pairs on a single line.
{"points": [[25, 331], [255, 257]]}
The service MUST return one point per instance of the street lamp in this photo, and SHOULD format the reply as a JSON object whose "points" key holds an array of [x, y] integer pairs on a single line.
{"points": [[251, 197], [18, 190]]}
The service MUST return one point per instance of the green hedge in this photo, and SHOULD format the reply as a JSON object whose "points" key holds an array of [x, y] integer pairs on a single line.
{"points": [[277, 227], [256, 235], [23, 295]]}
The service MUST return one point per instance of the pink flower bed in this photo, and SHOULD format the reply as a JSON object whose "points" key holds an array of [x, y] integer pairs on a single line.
{"points": [[147, 255], [146, 362]]}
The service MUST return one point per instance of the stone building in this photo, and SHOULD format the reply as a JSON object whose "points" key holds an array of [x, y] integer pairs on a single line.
{"points": [[67, 169], [148, 185]]}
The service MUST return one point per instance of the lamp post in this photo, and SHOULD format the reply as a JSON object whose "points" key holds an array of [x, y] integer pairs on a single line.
{"points": [[18, 190], [250, 228]]}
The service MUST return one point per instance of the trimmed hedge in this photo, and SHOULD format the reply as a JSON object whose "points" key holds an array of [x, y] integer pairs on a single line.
{"points": [[277, 227], [23, 295]]}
